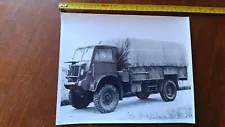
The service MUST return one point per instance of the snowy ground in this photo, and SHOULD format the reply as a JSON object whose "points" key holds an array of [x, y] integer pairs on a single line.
{"points": [[132, 109]]}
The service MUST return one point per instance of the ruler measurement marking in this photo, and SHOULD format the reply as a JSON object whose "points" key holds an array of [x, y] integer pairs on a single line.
{"points": [[136, 7]]}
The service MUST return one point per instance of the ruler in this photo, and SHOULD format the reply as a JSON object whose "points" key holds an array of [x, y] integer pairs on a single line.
{"points": [[140, 7]]}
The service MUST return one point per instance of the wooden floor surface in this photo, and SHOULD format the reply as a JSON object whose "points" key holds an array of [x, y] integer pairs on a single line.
{"points": [[29, 49]]}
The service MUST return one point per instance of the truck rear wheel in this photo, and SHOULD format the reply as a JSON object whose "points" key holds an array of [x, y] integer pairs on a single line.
{"points": [[169, 91], [143, 95], [79, 101], [106, 98]]}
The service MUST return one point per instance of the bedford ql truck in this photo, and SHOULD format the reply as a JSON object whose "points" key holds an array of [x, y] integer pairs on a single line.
{"points": [[114, 69]]}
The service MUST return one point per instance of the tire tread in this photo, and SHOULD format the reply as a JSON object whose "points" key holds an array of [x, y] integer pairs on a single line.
{"points": [[97, 95], [78, 104], [163, 96]]}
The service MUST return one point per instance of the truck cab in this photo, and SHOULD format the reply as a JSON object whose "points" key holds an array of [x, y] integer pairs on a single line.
{"points": [[89, 63], [89, 68]]}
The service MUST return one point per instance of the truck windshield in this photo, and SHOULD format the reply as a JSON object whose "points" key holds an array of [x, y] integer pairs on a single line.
{"points": [[83, 54]]}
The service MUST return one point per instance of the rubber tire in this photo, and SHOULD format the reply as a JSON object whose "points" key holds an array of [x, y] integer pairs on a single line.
{"points": [[98, 101], [77, 101], [142, 95], [163, 92]]}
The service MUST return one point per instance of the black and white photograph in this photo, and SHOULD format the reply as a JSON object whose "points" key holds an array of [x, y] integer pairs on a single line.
{"points": [[124, 69]]}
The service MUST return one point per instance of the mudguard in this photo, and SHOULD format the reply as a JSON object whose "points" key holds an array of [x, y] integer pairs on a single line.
{"points": [[95, 84]]}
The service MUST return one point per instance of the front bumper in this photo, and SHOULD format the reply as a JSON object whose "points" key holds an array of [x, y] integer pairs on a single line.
{"points": [[84, 84], [75, 88], [73, 83], [70, 83]]}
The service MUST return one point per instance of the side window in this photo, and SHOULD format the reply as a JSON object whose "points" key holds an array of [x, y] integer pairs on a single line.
{"points": [[103, 55]]}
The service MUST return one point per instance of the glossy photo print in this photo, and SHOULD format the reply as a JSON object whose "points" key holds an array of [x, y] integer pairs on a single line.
{"points": [[124, 69]]}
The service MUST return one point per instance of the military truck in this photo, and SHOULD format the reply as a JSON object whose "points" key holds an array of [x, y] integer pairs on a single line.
{"points": [[111, 70]]}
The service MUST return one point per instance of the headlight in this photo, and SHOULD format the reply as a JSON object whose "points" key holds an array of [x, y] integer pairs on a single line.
{"points": [[81, 71]]}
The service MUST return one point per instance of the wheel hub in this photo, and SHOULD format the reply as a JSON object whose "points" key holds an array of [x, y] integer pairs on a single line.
{"points": [[170, 90], [108, 98]]}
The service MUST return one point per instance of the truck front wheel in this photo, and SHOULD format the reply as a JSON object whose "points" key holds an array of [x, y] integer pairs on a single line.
{"points": [[106, 98], [79, 101], [143, 95], [169, 91]]}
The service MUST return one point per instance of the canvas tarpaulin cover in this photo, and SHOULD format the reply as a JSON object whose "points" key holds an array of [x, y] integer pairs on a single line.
{"points": [[133, 52]]}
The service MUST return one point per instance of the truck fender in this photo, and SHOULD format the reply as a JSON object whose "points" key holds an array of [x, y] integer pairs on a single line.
{"points": [[111, 79]]}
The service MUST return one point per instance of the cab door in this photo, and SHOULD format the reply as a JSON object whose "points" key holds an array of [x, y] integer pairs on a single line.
{"points": [[104, 62]]}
